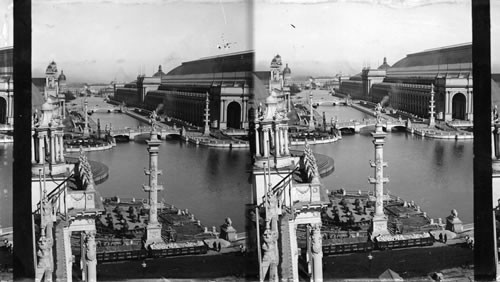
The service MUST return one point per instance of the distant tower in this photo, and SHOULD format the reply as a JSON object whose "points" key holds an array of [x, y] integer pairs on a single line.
{"points": [[379, 221], [287, 76], [287, 81], [159, 73], [432, 119], [62, 82], [275, 80], [206, 130], [51, 87], [311, 113], [153, 229], [86, 131], [62, 89]]}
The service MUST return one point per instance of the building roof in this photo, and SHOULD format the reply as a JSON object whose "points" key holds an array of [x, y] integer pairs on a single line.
{"points": [[62, 77], [287, 70], [276, 62], [159, 73], [6, 60], [385, 65], [454, 61], [235, 62], [51, 68], [39, 82], [458, 54], [260, 91], [37, 99]]}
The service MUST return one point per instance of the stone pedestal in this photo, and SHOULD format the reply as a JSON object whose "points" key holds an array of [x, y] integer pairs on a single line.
{"points": [[379, 226], [153, 234], [453, 223], [227, 231]]}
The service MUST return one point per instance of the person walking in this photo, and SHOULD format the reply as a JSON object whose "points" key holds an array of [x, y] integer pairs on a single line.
{"points": [[445, 238]]}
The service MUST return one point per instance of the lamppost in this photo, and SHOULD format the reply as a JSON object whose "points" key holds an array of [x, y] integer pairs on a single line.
{"points": [[370, 258]]}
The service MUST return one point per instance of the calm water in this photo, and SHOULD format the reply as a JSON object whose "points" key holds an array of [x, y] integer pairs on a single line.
{"points": [[212, 183], [215, 183], [6, 151], [436, 174]]}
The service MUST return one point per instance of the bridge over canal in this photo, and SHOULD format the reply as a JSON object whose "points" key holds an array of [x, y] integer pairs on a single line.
{"points": [[164, 131], [355, 125]]}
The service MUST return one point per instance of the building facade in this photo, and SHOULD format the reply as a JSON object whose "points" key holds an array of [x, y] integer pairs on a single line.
{"points": [[227, 80], [407, 84], [6, 86]]}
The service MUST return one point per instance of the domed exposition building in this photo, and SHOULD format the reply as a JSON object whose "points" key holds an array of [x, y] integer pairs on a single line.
{"points": [[228, 80], [408, 83]]}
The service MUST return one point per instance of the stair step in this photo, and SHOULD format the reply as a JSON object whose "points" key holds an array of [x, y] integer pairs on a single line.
{"points": [[60, 252], [286, 265]]}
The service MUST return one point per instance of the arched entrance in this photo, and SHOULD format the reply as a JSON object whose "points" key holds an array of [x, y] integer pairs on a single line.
{"points": [[234, 115], [458, 106], [3, 110]]}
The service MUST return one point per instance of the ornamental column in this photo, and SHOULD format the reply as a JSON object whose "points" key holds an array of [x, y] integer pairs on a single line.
{"points": [[287, 151], [266, 142], [41, 155], [33, 149], [496, 142], [224, 117], [206, 130], [57, 146], [91, 259], [86, 131], [277, 142], [257, 141], [311, 114], [221, 111], [432, 120], [317, 253], [52, 148], [61, 140], [379, 220], [153, 229]]}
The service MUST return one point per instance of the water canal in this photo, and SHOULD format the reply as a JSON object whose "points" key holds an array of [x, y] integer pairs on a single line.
{"points": [[215, 183]]}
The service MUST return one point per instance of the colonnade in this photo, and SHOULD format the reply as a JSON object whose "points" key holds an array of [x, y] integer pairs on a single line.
{"points": [[276, 137], [47, 142]]}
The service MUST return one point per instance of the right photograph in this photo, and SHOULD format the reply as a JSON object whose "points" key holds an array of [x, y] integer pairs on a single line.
{"points": [[362, 140]]}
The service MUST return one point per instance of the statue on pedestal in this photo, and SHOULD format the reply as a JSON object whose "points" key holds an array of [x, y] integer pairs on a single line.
{"points": [[152, 120], [270, 257], [317, 244], [44, 267], [90, 246]]}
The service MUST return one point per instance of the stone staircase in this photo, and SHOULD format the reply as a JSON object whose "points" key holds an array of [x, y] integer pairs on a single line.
{"points": [[286, 256]]}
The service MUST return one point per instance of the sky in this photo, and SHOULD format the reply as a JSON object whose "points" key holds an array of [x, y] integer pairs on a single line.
{"points": [[345, 36], [100, 41], [6, 23]]}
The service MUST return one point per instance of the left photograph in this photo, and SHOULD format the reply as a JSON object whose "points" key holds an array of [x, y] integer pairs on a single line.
{"points": [[139, 145], [6, 137]]}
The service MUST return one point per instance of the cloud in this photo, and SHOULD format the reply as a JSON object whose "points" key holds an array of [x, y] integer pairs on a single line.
{"points": [[120, 61]]}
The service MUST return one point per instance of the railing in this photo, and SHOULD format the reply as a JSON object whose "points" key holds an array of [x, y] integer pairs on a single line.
{"points": [[279, 187], [55, 194]]}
